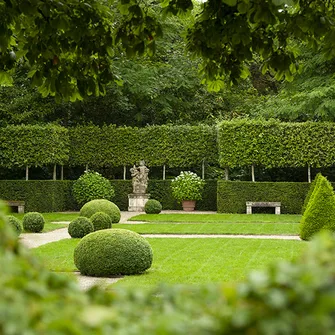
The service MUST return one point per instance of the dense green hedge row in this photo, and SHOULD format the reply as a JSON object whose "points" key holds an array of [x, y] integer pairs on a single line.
{"points": [[232, 196], [33, 146], [276, 144], [51, 196], [176, 146], [39, 195]]}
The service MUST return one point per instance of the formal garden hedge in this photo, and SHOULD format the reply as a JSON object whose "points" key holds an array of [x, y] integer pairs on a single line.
{"points": [[276, 144], [177, 146], [52, 196], [232, 196]]}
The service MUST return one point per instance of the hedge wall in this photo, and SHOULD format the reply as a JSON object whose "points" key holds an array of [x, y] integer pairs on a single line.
{"points": [[175, 146], [39, 195], [232, 195], [52, 196], [33, 145], [276, 144]]}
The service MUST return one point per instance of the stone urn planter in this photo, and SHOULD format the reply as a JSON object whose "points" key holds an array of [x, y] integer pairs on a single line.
{"points": [[188, 205]]}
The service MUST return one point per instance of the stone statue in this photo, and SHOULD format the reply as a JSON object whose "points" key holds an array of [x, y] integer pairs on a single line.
{"points": [[139, 178]]}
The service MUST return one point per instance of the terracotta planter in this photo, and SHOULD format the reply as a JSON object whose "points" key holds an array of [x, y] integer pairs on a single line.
{"points": [[188, 205]]}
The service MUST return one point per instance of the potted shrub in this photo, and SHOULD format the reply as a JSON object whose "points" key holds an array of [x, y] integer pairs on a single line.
{"points": [[187, 188]]}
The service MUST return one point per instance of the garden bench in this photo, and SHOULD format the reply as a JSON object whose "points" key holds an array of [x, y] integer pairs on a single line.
{"points": [[251, 204], [16, 203]]}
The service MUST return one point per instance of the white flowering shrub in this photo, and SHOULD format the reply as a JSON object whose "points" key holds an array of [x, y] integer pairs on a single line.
{"points": [[92, 185], [187, 186]]}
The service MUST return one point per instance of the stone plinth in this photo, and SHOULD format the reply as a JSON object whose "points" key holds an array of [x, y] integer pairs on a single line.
{"points": [[137, 202]]}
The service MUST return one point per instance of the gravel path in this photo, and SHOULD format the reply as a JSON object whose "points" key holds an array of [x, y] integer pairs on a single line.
{"points": [[35, 240]]}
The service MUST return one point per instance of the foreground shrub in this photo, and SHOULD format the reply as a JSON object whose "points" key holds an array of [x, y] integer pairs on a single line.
{"points": [[92, 185], [320, 211], [15, 224], [80, 227], [101, 220], [287, 298], [152, 207], [113, 252], [101, 205], [33, 222]]}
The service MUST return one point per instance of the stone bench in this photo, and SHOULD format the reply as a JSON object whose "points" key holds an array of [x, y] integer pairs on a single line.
{"points": [[16, 203], [251, 204]]}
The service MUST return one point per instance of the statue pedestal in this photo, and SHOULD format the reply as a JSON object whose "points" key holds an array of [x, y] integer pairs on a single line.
{"points": [[137, 202]]}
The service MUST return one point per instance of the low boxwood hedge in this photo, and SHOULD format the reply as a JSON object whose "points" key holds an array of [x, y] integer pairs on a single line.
{"points": [[101, 205], [80, 227], [33, 222]]}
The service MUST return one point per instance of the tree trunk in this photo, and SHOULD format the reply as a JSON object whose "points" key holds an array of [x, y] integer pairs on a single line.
{"points": [[226, 173], [124, 172], [203, 169], [164, 171], [54, 177], [27, 172], [309, 173], [62, 172], [253, 172]]}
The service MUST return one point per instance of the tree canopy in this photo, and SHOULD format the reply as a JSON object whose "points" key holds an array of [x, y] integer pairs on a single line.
{"points": [[70, 46]]}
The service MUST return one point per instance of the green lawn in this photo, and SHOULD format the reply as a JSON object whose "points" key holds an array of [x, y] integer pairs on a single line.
{"points": [[188, 261], [213, 228], [54, 217], [218, 218]]}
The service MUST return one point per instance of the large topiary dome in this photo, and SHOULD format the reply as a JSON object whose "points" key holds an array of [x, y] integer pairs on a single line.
{"points": [[101, 205], [111, 252]]}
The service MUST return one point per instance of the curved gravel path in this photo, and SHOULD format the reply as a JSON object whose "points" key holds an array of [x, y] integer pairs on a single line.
{"points": [[34, 240]]}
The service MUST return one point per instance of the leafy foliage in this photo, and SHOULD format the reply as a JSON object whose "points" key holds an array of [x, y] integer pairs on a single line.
{"points": [[187, 186], [111, 252], [92, 185], [153, 206], [15, 223], [80, 227], [33, 145], [274, 144], [33, 222], [320, 211], [101, 220], [101, 205]]}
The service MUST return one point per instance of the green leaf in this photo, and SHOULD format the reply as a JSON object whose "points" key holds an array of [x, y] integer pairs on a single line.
{"points": [[230, 2]]}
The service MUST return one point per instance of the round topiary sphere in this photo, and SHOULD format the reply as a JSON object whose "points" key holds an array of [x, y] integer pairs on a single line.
{"points": [[15, 224], [111, 252], [101, 220], [101, 205], [80, 227], [33, 222], [152, 207]]}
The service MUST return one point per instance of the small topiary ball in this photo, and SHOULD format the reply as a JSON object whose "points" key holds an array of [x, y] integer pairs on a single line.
{"points": [[111, 252], [15, 223], [101, 205], [101, 220], [80, 227], [33, 222], [152, 207]]}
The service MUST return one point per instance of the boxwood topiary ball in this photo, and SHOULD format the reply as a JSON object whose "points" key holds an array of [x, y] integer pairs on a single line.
{"points": [[101, 220], [101, 205], [15, 224], [111, 252], [152, 207], [33, 222], [80, 227]]}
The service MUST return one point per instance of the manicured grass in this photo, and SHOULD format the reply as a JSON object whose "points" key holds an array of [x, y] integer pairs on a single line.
{"points": [[227, 218], [214, 228], [54, 217], [188, 261], [52, 226]]}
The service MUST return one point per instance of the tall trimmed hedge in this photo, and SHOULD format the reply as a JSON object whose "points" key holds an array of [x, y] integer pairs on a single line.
{"points": [[276, 144], [175, 146], [33, 145], [232, 196]]}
